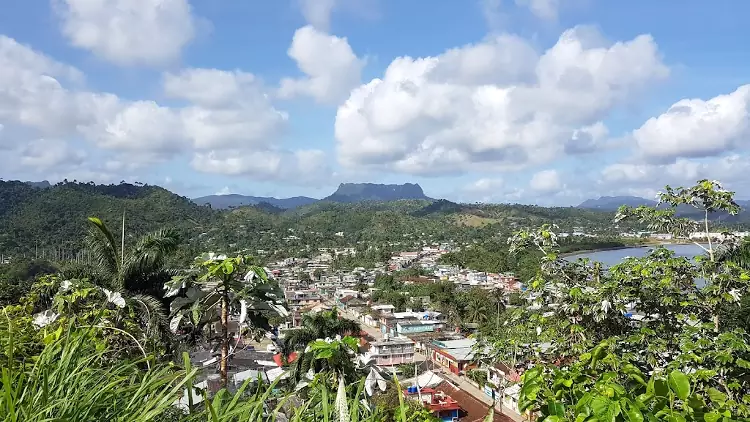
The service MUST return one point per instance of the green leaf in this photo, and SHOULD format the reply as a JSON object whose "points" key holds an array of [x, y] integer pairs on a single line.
{"points": [[556, 408], [717, 396], [679, 384], [634, 415], [742, 363], [712, 416]]}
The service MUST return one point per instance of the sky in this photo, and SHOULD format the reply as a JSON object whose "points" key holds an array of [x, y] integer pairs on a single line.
{"points": [[546, 102]]}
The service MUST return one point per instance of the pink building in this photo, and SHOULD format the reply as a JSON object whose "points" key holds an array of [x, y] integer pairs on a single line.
{"points": [[392, 351]]}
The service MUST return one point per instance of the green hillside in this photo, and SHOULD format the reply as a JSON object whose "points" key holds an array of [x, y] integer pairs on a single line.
{"points": [[54, 218]]}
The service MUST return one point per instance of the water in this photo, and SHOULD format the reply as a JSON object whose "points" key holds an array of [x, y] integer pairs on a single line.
{"points": [[615, 256]]}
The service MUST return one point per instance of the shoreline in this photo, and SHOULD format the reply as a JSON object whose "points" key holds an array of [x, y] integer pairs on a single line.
{"points": [[615, 248], [611, 248]]}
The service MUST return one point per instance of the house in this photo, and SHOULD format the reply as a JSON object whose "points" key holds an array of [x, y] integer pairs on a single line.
{"points": [[451, 404], [454, 355], [350, 303], [345, 292], [385, 309], [299, 298], [416, 326], [392, 351], [441, 405], [311, 308]]}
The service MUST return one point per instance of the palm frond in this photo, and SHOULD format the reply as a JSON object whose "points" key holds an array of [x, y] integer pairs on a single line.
{"points": [[103, 247], [152, 314]]}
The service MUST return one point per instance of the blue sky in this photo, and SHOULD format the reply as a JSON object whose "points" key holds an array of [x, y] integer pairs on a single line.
{"points": [[533, 101]]}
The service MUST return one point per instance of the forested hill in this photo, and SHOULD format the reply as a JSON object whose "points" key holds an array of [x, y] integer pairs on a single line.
{"points": [[55, 217]]}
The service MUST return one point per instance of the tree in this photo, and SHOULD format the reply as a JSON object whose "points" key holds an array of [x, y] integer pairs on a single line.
{"points": [[140, 270], [641, 340], [329, 358], [477, 307], [319, 326], [137, 274], [234, 287]]}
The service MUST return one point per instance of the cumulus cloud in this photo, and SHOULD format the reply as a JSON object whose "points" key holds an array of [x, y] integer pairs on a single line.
{"points": [[299, 167], [331, 67], [46, 154], [128, 32], [222, 111], [545, 181], [495, 105], [697, 128]]}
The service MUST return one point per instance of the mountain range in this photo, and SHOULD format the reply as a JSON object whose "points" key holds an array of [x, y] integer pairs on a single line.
{"points": [[346, 193]]}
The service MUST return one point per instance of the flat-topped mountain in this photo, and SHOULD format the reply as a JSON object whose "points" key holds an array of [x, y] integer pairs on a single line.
{"points": [[356, 192]]}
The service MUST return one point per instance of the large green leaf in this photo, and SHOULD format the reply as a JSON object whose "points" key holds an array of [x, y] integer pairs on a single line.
{"points": [[679, 383], [716, 396]]}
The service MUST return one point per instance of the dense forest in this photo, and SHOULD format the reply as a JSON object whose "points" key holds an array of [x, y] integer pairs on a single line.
{"points": [[50, 222]]}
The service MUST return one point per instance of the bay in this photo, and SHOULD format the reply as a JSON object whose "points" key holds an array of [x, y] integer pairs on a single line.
{"points": [[615, 256]]}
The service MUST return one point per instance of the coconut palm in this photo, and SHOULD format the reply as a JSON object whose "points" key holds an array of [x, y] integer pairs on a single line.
{"points": [[140, 270], [476, 309], [138, 274], [318, 326]]}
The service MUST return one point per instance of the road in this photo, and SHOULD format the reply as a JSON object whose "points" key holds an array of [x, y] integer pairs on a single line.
{"points": [[461, 382]]}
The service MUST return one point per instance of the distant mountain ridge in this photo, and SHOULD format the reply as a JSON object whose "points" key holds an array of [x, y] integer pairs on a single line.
{"points": [[235, 200], [357, 192], [612, 203], [346, 193]]}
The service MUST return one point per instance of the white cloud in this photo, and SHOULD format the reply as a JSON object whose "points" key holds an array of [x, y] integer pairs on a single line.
{"points": [[331, 67], [301, 167], [546, 181], [128, 32], [697, 128], [45, 154], [495, 105], [485, 185], [229, 108], [543, 9], [223, 111], [730, 168], [224, 191], [318, 12]]}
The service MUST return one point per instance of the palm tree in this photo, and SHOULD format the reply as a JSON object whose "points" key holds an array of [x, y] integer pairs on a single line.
{"points": [[476, 310], [318, 326], [139, 274], [141, 270]]}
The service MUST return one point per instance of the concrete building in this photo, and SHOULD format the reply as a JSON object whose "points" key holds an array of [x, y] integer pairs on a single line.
{"points": [[392, 351]]}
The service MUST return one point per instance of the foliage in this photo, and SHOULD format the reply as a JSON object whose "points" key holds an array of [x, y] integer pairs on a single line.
{"points": [[230, 286], [17, 277], [643, 340], [74, 380], [318, 326]]}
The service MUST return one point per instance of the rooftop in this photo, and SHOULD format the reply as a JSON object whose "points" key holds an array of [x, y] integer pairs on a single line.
{"points": [[394, 340]]}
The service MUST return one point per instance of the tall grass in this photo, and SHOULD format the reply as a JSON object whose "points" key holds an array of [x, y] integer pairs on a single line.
{"points": [[68, 382], [74, 380]]}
